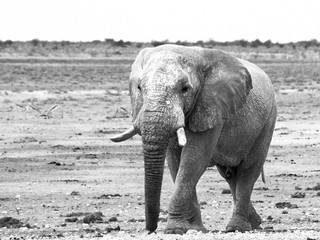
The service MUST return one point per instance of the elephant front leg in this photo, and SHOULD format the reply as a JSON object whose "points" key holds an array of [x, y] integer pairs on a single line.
{"points": [[184, 209], [181, 223]]}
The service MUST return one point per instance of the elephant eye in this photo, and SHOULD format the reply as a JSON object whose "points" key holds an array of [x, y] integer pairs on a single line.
{"points": [[185, 89], [139, 87]]}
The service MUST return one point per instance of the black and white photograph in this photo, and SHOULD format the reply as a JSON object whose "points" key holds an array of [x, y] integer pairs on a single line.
{"points": [[160, 120]]}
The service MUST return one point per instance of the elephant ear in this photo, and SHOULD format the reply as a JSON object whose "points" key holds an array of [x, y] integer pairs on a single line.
{"points": [[225, 85], [135, 77]]}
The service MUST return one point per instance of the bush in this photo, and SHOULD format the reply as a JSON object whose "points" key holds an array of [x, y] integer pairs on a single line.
{"points": [[310, 43], [159, 43], [267, 44], [256, 43], [65, 43], [183, 43], [35, 42], [139, 44], [8, 43], [199, 43], [242, 43]]}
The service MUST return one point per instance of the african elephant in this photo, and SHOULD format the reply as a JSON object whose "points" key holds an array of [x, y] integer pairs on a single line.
{"points": [[196, 108]]}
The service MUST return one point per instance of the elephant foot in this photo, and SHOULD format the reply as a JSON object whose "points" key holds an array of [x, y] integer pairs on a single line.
{"points": [[199, 228], [238, 223], [177, 227], [196, 224], [181, 227], [254, 218]]}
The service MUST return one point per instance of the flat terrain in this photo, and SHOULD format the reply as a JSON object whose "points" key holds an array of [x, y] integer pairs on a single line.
{"points": [[58, 167]]}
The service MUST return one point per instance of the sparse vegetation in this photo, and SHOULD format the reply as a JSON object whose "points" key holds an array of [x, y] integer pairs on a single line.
{"points": [[252, 50]]}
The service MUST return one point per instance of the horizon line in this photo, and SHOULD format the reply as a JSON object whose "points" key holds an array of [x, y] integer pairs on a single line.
{"points": [[163, 40]]}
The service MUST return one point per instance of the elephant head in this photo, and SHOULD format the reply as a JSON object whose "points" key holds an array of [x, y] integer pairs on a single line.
{"points": [[173, 88]]}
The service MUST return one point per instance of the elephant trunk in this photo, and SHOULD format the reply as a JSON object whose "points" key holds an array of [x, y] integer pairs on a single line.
{"points": [[155, 142], [154, 165]]}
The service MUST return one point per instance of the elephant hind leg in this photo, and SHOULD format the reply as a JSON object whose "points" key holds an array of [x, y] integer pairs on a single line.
{"points": [[230, 174], [245, 216], [240, 220], [254, 218]]}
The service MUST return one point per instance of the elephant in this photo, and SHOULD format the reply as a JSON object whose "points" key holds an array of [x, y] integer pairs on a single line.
{"points": [[196, 108]]}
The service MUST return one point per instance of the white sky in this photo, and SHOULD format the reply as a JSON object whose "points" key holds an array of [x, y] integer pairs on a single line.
{"points": [[146, 20]]}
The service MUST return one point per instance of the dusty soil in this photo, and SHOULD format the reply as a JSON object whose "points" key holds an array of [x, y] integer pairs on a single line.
{"points": [[61, 176]]}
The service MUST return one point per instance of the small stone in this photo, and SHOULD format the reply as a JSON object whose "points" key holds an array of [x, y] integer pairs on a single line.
{"points": [[10, 222], [203, 203], [268, 228], [298, 195], [269, 218], [93, 217], [27, 225], [286, 205], [315, 188], [75, 193], [109, 229], [226, 191], [284, 212], [73, 219], [113, 219]]}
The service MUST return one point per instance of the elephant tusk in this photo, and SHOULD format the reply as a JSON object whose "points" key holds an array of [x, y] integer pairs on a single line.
{"points": [[181, 137], [124, 136]]}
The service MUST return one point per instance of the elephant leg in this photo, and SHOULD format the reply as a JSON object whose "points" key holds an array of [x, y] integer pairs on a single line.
{"points": [[173, 159], [244, 185], [229, 174], [184, 209], [254, 218], [244, 216]]}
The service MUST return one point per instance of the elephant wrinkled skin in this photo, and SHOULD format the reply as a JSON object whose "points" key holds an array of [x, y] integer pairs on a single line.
{"points": [[200, 107]]}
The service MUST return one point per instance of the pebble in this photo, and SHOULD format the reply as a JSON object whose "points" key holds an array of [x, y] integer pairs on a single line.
{"points": [[113, 219], [226, 191], [203, 203], [93, 217], [298, 195]]}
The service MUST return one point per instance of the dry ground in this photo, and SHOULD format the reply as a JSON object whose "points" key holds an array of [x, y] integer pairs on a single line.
{"points": [[59, 167]]}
